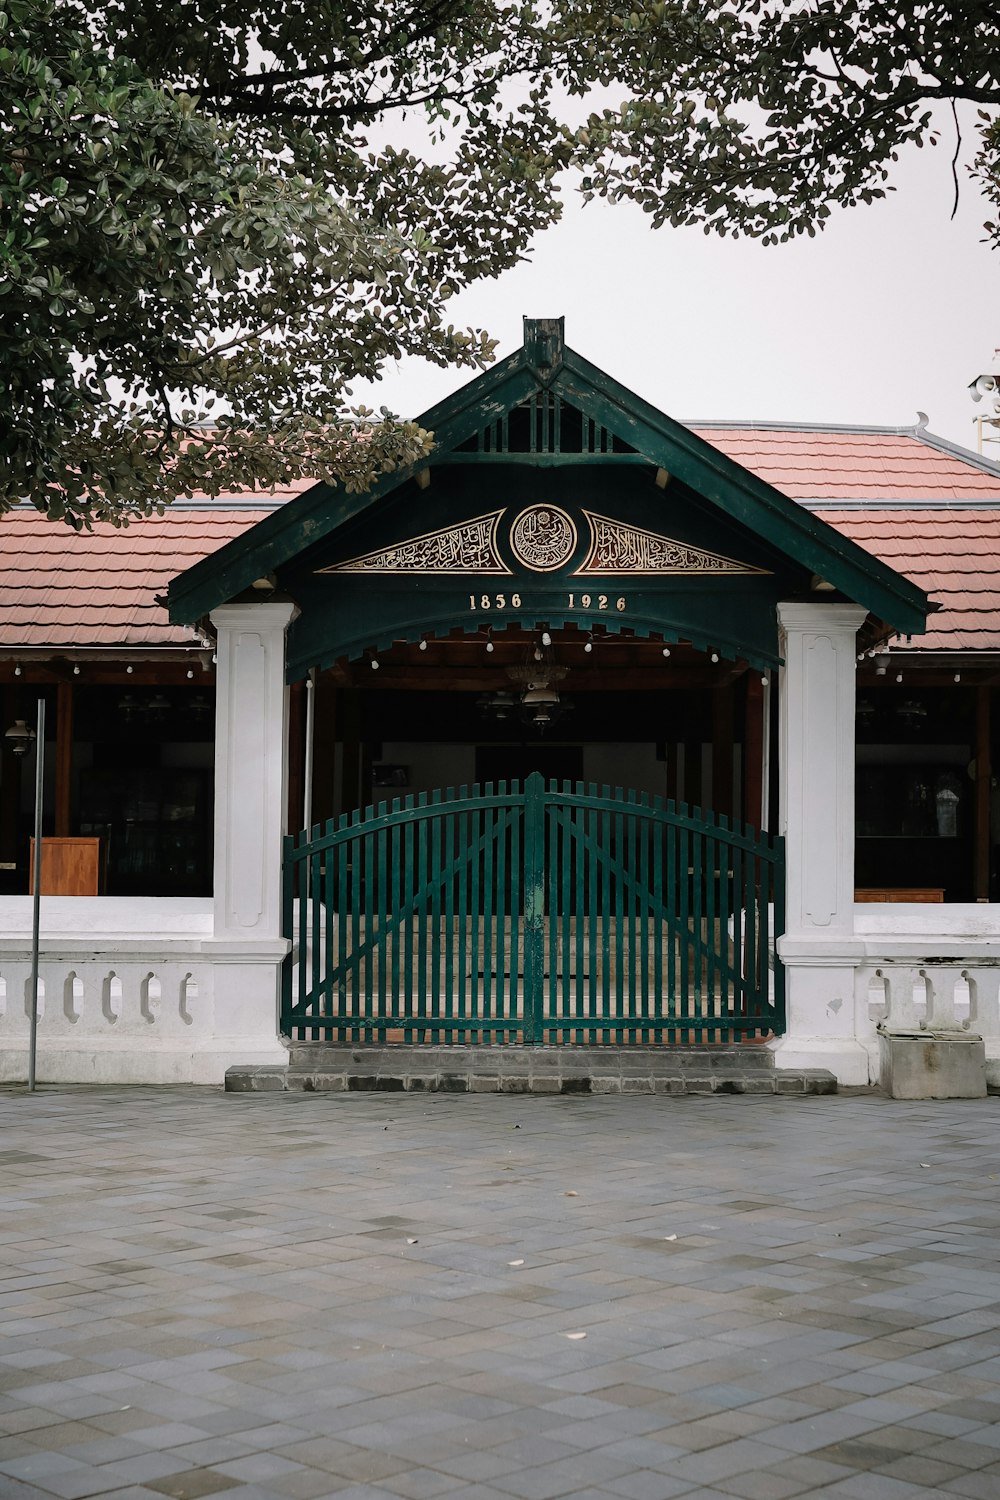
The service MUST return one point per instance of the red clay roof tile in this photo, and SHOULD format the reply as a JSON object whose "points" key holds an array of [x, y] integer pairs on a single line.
{"points": [[61, 588]]}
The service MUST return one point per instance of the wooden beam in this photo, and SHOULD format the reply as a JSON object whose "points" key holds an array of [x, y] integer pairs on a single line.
{"points": [[325, 748], [296, 755], [753, 750], [722, 750], [64, 757], [984, 782], [487, 680], [350, 718]]}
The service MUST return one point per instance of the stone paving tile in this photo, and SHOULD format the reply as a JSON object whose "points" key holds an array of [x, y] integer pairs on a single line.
{"points": [[285, 1297]]}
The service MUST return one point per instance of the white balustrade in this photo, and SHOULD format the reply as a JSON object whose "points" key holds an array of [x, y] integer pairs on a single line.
{"points": [[933, 968], [128, 992]]}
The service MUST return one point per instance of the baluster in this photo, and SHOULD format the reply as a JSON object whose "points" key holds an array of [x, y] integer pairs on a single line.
{"points": [[150, 994], [941, 981], [984, 1000], [190, 1005], [870, 1002], [901, 1011], [111, 998]]}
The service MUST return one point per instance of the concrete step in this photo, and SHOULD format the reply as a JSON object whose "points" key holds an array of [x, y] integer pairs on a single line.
{"points": [[315, 1067]]}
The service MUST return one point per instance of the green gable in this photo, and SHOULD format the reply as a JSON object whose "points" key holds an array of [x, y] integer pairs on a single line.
{"points": [[550, 485]]}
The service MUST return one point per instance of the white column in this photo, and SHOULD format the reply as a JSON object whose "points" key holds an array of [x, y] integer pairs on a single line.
{"points": [[818, 643], [250, 814]]}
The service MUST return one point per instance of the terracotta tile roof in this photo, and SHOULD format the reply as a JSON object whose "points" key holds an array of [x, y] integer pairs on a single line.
{"points": [[952, 553], [924, 508], [930, 511], [840, 464], [96, 589]]}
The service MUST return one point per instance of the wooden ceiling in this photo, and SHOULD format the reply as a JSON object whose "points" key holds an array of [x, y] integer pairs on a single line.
{"points": [[465, 663]]}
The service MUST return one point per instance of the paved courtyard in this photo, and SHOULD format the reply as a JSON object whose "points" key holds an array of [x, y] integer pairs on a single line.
{"points": [[497, 1298]]}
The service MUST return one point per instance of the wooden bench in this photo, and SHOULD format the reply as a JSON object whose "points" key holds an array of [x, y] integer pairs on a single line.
{"points": [[924, 894]]}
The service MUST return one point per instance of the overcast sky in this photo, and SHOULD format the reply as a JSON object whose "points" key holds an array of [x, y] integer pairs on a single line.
{"points": [[892, 309]]}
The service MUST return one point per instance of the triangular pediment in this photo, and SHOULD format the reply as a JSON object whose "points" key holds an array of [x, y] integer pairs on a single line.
{"points": [[546, 409]]}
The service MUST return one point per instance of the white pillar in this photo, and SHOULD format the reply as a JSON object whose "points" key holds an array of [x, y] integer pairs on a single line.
{"points": [[818, 643], [250, 814]]}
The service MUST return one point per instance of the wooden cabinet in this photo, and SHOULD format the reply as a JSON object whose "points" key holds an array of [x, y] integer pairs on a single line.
{"points": [[70, 867]]}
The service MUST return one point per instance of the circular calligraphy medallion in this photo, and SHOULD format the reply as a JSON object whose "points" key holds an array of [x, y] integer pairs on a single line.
{"points": [[543, 538]]}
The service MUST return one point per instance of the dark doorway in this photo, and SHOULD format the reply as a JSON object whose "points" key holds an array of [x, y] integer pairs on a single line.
{"points": [[516, 762]]}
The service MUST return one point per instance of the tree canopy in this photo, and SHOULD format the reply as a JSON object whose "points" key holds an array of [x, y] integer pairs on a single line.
{"points": [[760, 118], [214, 216]]}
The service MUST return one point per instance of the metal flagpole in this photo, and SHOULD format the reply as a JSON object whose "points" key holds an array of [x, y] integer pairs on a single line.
{"points": [[36, 910], [307, 777]]}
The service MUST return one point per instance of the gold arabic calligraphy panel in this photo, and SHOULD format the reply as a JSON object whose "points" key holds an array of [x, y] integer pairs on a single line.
{"points": [[470, 547], [617, 548]]}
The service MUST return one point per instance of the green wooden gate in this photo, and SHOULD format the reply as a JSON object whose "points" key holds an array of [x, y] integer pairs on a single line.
{"points": [[534, 914]]}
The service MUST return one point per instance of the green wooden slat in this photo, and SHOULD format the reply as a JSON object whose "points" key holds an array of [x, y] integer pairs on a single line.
{"points": [[302, 912], [697, 945], [569, 989], [619, 923], [553, 960], [462, 916], [381, 841], [489, 888], [670, 907], [436, 867], [684, 920], [506, 975], [739, 1005], [476, 839], [750, 937], [395, 878], [407, 915], [421, 915], [316, 924], [447, 850], [533, 906], [372, 920], [587, 887], [288, 930], [644, 829], [723, 962], [779, 928], [633, 910], [605, 893], [763, 933]]}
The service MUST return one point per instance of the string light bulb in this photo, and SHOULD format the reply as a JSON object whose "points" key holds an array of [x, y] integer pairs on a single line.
{"points": [[17, 670], [588, 646], [129, 669], [374, 663], [546, 638], [190, 674], [423, 645], [76, 671], [666, 651], [715, 656]]}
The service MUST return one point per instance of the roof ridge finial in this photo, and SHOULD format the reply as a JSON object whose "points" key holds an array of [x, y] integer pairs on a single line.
{"points": [[543, 345]]}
